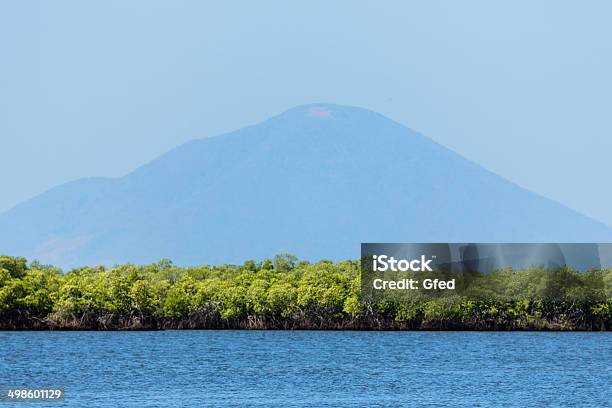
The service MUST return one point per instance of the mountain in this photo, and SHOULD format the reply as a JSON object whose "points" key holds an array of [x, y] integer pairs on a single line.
{"points": [[315, 181]]}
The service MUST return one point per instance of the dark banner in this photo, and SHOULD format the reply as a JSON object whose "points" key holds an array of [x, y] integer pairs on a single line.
{"points": [[412, 271]]}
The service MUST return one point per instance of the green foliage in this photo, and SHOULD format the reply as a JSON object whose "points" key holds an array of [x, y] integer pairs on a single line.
{"points": [[285, 293], [16, 267], [284, 262]]}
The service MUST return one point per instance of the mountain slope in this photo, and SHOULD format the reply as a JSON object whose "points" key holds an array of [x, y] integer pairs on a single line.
{"points": [[315, 181]]}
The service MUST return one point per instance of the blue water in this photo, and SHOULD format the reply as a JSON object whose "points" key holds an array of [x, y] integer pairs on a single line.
{"points": [[312, 369]]}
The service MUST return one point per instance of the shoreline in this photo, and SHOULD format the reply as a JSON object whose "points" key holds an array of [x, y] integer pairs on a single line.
{"points": [[391, 326], [284, 294]]}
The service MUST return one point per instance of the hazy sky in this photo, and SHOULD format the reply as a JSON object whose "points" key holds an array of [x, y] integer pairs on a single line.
{"points": [[98, 88]]}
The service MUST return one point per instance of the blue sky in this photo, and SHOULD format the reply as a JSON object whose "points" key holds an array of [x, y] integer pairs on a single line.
{"points": [[98, 88]]}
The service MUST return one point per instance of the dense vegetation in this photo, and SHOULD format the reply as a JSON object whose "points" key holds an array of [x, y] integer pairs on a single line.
{"points": [[285, 294]]}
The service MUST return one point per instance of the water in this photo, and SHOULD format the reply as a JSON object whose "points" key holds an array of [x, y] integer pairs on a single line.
{"points": [[301, 368]]}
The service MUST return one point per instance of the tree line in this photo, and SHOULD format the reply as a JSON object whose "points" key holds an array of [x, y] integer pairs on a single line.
{"points": [[284, 293]]}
